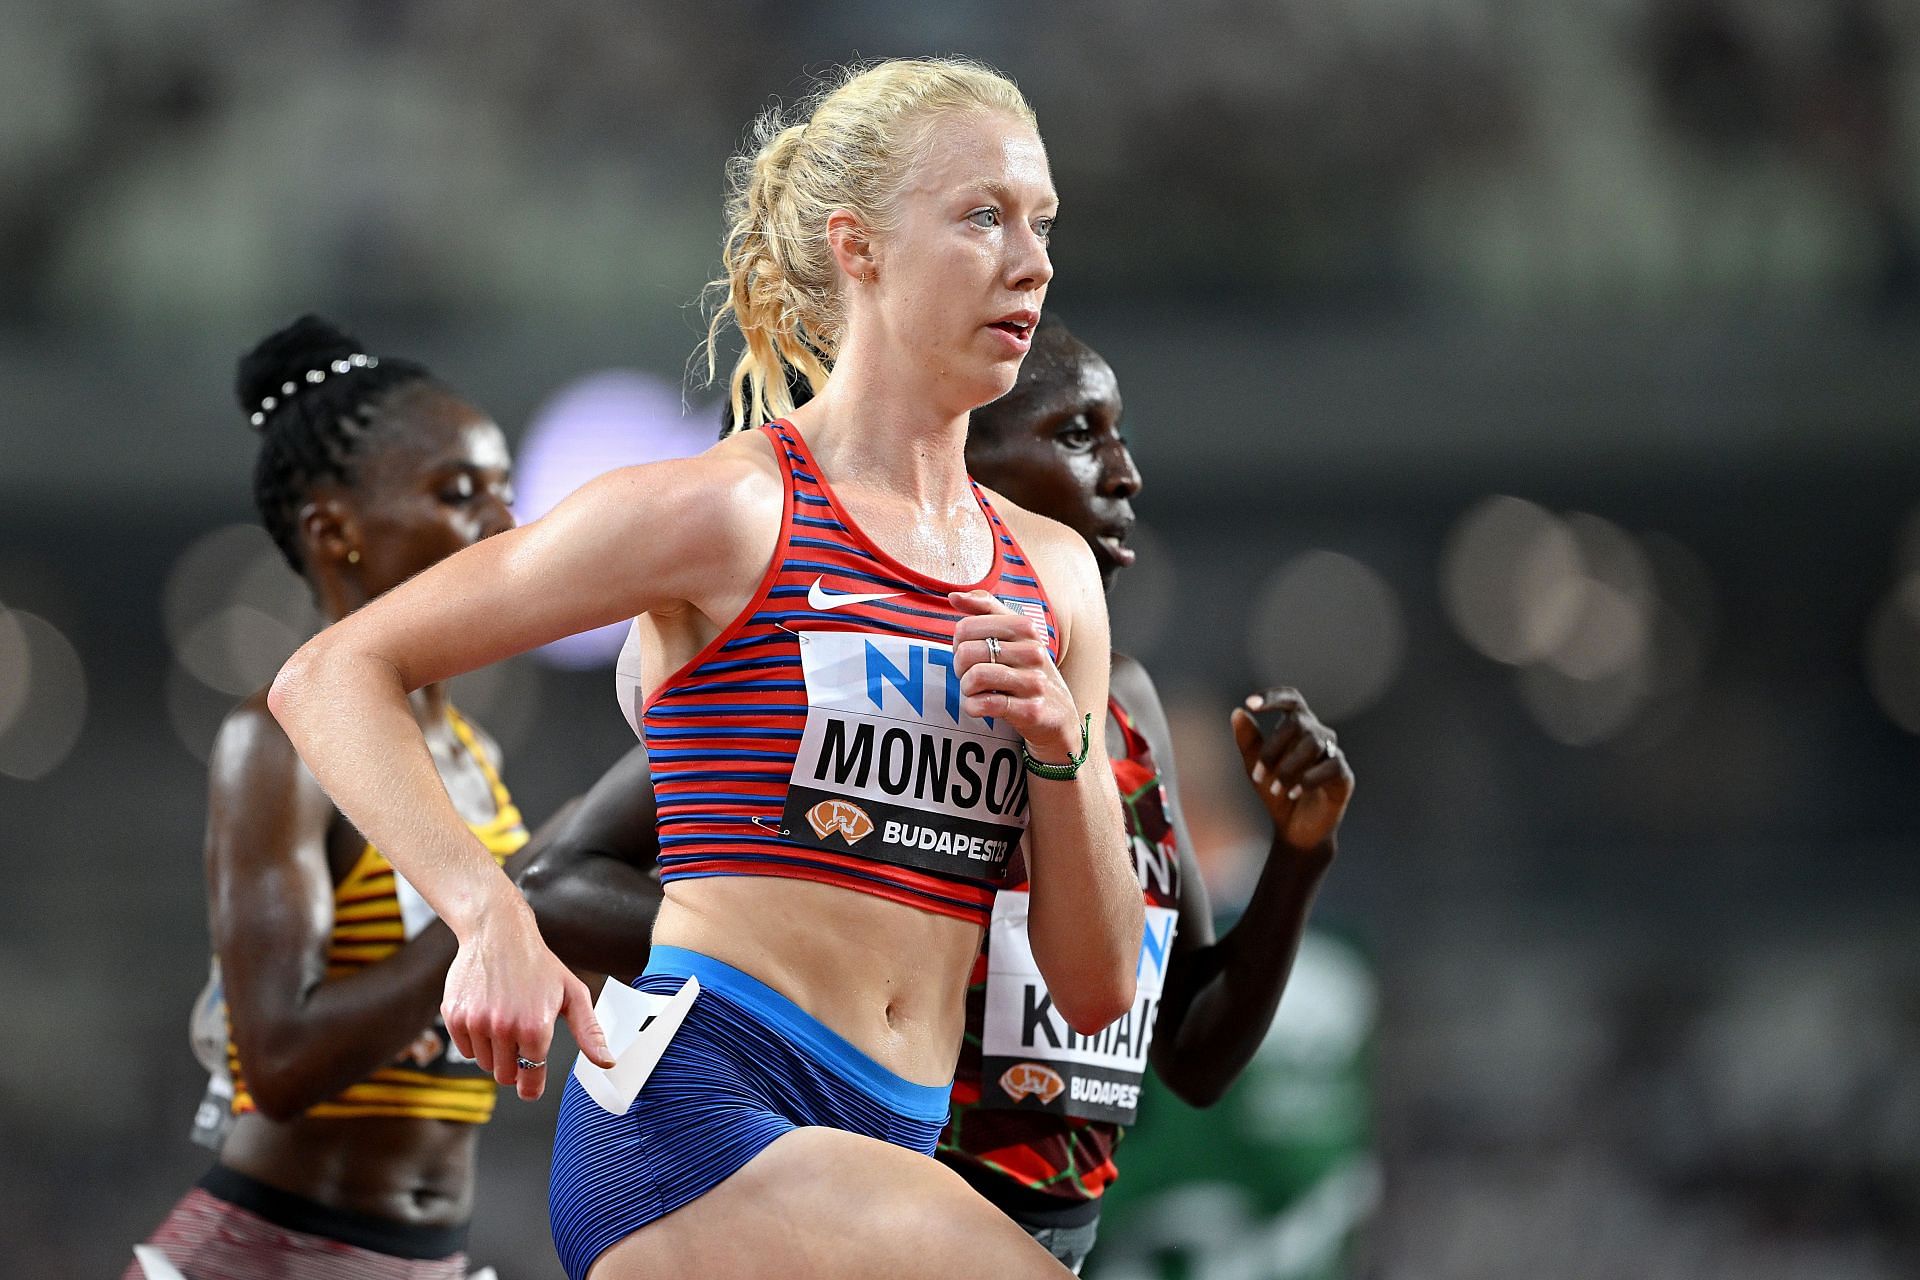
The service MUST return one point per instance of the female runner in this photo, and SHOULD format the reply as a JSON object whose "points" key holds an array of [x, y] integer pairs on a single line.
{"points": [[352, 1148], [1052, 444], [877, 681]]}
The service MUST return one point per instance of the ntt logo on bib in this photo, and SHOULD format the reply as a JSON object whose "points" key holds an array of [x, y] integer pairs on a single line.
{"points": [[844, 816], [1031, 1078]]}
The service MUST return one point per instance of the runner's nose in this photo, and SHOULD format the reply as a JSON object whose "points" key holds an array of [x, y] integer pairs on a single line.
{"points": [[1119, 478]]}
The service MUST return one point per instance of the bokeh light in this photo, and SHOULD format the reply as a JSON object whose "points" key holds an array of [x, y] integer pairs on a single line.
{"points": [[16, 668], [233, 613], [1893, 654], [601, 422], [1610, 631], [1331, 627], [202, 578], [1608, 636], [51, 708], [1510, 579], [194, 710], [238, 649]]}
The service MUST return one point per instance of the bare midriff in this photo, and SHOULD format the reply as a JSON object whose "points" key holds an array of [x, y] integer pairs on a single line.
{"points": [[404, 1169], [889, 978]]}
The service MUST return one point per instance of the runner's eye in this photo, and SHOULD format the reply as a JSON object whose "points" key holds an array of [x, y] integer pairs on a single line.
{"points": [[985, 219], [1076, 435], [458, 489]]}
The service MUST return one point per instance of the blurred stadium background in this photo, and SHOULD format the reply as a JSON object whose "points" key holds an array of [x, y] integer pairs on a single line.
{"points": [[1536, 385]]}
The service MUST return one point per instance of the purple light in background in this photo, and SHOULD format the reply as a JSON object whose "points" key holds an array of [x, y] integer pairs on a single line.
{"points": [[605, 420]]}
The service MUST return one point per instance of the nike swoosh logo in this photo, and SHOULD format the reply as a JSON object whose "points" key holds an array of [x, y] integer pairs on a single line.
{"points": [[820, 598]]}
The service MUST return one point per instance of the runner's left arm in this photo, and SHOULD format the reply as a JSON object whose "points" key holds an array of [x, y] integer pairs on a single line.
{"points": [[1221, 994], [1085, 913]]}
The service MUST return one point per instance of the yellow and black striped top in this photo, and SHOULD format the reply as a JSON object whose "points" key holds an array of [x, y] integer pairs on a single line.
{"points": [[375, 911]]}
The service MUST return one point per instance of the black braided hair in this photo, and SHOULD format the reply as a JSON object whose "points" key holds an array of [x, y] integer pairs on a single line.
{"points": [[309, 434]]}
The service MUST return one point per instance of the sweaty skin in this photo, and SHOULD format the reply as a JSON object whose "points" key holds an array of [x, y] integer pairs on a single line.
{"points": [[432, 480]]}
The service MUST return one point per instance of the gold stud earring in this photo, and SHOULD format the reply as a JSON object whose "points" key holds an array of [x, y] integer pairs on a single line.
{"points": [[353, 556]]}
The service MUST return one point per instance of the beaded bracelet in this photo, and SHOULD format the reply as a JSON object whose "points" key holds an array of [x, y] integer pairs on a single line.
{"points": [[1060, 772]]}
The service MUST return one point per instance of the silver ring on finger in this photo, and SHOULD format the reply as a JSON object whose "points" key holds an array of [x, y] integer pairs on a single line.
{"points": [[993, 649], [528, 1064], [1329, 750]]}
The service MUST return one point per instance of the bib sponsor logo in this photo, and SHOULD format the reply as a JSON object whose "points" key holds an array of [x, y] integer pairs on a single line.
{"points": [[885, 738], [1029, 1079], [843, 816]]}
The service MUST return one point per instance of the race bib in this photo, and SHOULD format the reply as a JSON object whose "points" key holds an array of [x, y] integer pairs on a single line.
{"points": [[1031, 1059], [213, 1118], [207, 1031], [890, 768]]}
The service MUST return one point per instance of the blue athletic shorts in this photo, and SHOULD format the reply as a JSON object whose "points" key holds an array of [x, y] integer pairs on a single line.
{"points": [[747, 1066]]}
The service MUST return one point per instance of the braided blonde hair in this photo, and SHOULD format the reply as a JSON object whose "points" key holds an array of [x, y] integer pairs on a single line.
{"points": [[856, 139]]}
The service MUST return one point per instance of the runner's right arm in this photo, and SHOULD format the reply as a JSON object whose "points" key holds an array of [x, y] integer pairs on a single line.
{"points": [[1222, 993], [1085, 914], [592, 887], [692, 533]]}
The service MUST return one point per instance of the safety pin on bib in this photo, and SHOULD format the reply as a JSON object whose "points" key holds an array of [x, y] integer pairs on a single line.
{"points": [[768, 824]]}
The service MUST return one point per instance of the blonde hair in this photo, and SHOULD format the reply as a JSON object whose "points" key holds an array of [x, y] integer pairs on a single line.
{"points": [[855, 139]]}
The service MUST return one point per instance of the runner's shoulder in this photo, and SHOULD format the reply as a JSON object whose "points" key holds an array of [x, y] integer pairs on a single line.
{"points": [[254, 771], [731, 486], [250, 741]]}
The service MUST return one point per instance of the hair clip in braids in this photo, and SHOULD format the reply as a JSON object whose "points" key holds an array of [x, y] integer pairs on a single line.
{"points": [[314, 377]]}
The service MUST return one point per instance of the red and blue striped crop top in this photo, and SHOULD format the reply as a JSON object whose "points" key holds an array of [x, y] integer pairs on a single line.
{"points": [[820, 737]]}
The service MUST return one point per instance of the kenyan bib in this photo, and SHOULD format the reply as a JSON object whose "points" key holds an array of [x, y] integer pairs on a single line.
{"points": [[1030, 1059]]}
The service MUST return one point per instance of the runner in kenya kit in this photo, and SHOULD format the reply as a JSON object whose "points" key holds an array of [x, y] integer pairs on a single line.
{"points": [[1039, 1112]]}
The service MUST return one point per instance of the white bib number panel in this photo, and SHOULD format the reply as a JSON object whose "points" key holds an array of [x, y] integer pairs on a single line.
{"points": [[1030, 1059], [890, 768]]}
